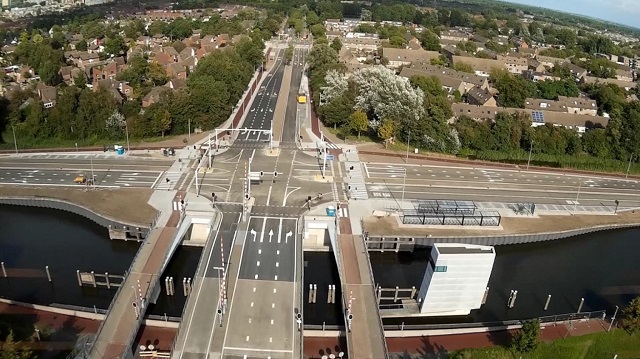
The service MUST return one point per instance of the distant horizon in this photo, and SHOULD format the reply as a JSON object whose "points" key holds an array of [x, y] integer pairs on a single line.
{"points": [[623, 12]]}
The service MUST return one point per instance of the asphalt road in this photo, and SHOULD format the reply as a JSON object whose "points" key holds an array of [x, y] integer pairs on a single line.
{"points": [[289, 127], [260, 115], [386, 180], [103, 178], [201, 313], [263, 305]]}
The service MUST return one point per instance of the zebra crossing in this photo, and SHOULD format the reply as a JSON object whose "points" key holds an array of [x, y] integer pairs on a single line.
{"points": [[331, 146], [168, 181], [355, 181]]}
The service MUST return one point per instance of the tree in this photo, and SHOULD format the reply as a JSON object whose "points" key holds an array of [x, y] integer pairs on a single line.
{"points": [[288, 54], [81, 45], [358, 122], [387, 130], [631, 316], [387, 95], [429, 41], [157, 74], [162, 122], [9, 349], [336, 44], [527, 339], [115, 45]]}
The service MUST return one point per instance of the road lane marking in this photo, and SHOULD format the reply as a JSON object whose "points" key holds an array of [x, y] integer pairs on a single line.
{"points": [[276, 278], [258, 264], [273, 305], [255, 277], [274, 290], [247, 338]]}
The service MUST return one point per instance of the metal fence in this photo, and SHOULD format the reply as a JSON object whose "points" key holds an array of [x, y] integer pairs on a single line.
{"points": [[456, 218]]}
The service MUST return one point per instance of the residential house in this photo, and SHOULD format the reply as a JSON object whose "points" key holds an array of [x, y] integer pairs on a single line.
{"points": [[550, 61], [47, 94], [546, 105], [580, 105], [454, 35], [469, 81], [118, 89], [404, 57], [625, 75], [481, 97], [624, 60], [515, 63], [107, 71], [144, 41], [414, 44], [81, 58], [577, 71], [69, 73], [536, 66], [176, 84], [579, 123], [536, 76], [528, 51], [176, 71], [154, 96], [364, 45], [627, 85], [449, 84], [349, 60], [482, 67]]}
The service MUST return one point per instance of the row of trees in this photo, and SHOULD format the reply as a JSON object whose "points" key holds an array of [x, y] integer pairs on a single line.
{"points": [[513, 90]]}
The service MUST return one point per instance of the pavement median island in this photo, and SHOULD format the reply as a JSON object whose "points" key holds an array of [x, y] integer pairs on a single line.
{"points": [[281, 104], [125, 204]]}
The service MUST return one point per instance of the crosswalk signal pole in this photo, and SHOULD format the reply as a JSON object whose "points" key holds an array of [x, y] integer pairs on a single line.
{"points": [[324, 154]]}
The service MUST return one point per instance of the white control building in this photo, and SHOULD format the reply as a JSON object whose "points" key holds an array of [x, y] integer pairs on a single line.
{"points": [[456, 279]]}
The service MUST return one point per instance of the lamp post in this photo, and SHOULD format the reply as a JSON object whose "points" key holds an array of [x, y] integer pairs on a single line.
{"points": [[93, 176], [575, 204], [408, 142], [404, 182], [530, 150], [126, 130], [15, 142], [625, 176]]}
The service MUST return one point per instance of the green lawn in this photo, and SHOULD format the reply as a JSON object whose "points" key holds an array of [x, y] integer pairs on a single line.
{"points": [[592, 346]]}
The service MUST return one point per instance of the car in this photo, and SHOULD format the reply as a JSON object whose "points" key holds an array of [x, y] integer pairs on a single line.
{"points": [[80, 179]]}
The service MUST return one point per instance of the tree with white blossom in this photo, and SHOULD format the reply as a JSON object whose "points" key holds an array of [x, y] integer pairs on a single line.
{"points": [[389, 96], [336, 85]]}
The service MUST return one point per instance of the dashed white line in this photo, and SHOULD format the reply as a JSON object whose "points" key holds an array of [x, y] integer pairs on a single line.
{"points": [[251, 304], [247, 338], [255, 277], [271, 321], [274, 290], [277, 264], [273, 305], [258, 264], [259, 251]]}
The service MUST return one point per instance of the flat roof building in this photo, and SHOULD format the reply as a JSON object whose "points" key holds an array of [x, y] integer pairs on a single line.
{"points": [[456, 279]]}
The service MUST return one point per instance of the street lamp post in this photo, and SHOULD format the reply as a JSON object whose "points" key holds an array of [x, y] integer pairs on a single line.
{"points": [[626, 176], [126, 130], [613, 319], [575, 204], [530, 150], [93, 176], [404, 182], [408, 142], [15, 142]]}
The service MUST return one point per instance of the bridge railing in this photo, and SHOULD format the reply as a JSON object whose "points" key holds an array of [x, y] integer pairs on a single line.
{"points": [[372, 286], [126, 274]]}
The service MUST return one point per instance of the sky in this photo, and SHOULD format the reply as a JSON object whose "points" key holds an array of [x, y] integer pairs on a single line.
{"points": [[626, 12]]}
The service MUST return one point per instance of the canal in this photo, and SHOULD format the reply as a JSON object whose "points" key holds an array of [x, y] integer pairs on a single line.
{"points": [[602, 268]]}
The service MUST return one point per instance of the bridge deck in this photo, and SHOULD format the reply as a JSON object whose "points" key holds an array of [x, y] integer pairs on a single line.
{"points": [[121, 323], [366, 338]]}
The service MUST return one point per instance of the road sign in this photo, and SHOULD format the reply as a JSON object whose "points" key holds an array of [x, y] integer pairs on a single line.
{"points": [[329, 157]]}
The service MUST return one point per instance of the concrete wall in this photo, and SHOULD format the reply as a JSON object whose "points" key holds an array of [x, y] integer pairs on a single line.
{"points": [[72, 208], [491, 240]]}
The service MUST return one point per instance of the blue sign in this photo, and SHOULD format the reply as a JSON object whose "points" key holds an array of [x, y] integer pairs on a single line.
{"points": [[329, 157]]}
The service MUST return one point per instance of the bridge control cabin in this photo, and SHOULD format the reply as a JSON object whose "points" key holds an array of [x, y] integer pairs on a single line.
{"points": [[456, 279]]}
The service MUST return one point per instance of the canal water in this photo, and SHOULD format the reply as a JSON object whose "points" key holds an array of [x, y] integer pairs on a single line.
{"points": [[603, 268], [32, 238]]}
